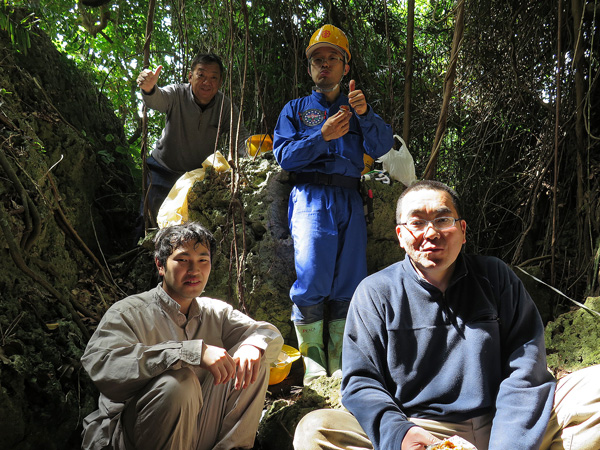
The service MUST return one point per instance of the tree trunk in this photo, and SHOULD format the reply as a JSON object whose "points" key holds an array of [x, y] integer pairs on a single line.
{"points": [[410, 35], [148, 221], [448, 86], [581, 150]]}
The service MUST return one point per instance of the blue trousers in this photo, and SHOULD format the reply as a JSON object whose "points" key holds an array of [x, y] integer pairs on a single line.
{"points": [[328, 227], [160, 182]]}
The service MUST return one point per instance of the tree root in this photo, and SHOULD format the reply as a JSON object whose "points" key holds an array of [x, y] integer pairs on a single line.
{"points": [[33, 227], [16, 256], [66, 225], [33, 222]]}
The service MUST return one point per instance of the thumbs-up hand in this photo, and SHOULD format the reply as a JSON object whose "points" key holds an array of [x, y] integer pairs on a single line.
{"points": [[147, 79], [357, 99]]}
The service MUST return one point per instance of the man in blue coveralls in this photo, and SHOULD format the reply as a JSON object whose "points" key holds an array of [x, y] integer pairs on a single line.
{"points": [[321, 139]]}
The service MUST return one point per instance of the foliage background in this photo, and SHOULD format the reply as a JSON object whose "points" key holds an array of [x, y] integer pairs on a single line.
{"points": [[501, 142]]}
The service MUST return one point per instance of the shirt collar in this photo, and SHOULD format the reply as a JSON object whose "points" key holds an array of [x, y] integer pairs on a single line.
{"points": [[460, 271], [166, 299], [173, 308], [320, 97]]}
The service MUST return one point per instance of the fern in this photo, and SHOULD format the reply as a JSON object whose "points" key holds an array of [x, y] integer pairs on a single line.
{"points": [[18, 29]]}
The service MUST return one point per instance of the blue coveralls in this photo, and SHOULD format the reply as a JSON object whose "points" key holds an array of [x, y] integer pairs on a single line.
{"points": [[327, 222]]}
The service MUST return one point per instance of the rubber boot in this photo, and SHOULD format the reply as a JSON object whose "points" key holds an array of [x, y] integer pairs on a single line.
{"points": [[310, 343], [334, 347]]}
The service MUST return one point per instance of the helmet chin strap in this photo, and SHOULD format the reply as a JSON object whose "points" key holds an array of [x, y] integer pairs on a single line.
{"points": [[325, 90], [317, 88]]}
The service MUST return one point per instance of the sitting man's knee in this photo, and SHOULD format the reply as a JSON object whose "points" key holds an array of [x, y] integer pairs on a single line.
{"points": [[313, 426], [176, 387], [316, 420]]}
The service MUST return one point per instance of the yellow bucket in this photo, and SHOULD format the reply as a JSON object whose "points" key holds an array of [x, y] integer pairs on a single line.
{"points": [[369, 163], [259, 143], [281, 367]]}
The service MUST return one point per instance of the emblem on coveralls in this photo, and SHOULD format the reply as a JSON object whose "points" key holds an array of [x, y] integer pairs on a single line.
{"points": [[312, 117]]}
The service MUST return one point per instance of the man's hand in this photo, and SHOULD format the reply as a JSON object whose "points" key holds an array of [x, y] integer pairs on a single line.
{"points": [[218, 362], [357, 99], [247, 361], [417, 438], [337, 125], [147, 79]]}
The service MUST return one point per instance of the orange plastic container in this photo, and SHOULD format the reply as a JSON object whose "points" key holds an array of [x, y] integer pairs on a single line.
{"points": [[259, 143]]}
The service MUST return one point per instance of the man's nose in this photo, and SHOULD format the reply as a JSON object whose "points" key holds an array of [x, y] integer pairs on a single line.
{"points": [[193, 268], [430, 230]]}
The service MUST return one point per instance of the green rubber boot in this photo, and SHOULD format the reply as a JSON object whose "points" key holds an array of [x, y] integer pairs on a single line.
{"points": [[310, 343], [334, 348]]}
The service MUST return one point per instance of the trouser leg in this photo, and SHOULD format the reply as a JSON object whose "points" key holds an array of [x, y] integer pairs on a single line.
{"points": [[160, 181], [351, 268], [328, 228], [241, 412], [164, 415], [175, 412], [575, 420], [351, 262], [330, 429], [311, 215], [477, 430]]}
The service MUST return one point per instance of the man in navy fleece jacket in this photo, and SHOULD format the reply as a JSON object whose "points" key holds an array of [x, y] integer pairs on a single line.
{"points": [[444, 343]]}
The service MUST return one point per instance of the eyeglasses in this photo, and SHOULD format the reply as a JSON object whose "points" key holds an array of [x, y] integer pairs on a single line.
{"points": [[439, 223], [331, 61]]}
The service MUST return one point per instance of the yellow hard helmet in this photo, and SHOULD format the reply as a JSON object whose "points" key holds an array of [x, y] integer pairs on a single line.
{"points": [[330, 36]]}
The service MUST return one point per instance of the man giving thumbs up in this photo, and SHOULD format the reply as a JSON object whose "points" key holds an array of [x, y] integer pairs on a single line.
{"points": [[321, 139]]}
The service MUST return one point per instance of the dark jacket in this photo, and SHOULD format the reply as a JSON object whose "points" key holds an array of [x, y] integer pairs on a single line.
{"points": [[412, 351]]}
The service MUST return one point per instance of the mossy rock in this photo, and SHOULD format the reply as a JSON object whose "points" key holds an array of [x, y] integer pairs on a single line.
{"points": [[572, 339], [276, 430]]}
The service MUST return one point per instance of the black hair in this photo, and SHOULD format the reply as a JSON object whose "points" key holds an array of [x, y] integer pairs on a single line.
{"points": [[168, 239], [428, 185], [207, 58]]}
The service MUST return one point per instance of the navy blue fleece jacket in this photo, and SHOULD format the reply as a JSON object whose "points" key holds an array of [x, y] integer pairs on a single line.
{"points": [[412, 351]]}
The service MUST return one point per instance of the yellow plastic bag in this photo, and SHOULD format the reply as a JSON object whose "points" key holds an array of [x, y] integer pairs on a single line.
{"points": [[174, 209]]}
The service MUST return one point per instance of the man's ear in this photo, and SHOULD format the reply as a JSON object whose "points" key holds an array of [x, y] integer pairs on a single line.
{"points": [[399, 235], [190, 76], [346, 69], [463, 227], [160, 267]]}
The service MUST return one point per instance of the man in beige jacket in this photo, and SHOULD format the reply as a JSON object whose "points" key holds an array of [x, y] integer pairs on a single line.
{"points": [[176, 370]]}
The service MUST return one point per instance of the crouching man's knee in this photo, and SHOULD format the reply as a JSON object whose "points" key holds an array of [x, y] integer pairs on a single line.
{"points": [[165, 408], [330, 429], [178, 390]]}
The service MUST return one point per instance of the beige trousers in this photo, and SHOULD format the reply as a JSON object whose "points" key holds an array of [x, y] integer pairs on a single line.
{"points": [[574, 424], [176, 412]]}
